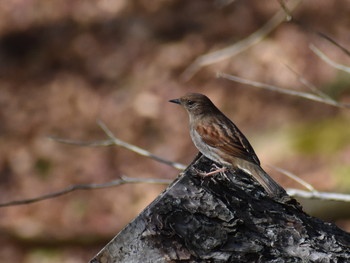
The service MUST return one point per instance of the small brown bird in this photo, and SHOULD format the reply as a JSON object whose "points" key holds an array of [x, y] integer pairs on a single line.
{"points": [[218, 138]]}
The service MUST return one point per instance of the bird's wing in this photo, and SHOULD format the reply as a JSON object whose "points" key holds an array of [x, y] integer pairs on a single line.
{"points": [[231, 141]]}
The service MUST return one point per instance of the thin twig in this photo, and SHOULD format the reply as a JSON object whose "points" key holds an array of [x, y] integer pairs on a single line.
{"points": [[121, 181], [310, 29], [138, 150], [335, 43], [289, 16], [319, 195], [126, 180], [295, 178], [308, 84], [78, 143], [301, 94], [238, 47], [115, 141], [326, 59]]}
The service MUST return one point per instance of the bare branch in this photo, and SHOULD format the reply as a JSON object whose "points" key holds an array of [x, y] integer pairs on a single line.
{"points": [[308, 84], [308, 28], [335, 43], [78, 143], [238, 47], [326, 59], [121, 181], [319, 195], [301, 94], [115, 141], [129, 180], [289, 16], [295, 178], [138, 150]]}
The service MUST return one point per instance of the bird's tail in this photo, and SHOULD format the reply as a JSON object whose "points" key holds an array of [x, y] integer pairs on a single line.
{"points": [[271, 187]]}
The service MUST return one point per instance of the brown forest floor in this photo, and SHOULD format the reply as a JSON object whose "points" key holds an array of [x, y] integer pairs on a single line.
{"points": [[63, 64]]}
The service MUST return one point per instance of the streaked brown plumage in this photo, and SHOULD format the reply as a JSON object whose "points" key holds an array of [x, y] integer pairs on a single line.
{"points": [[218, 138]]}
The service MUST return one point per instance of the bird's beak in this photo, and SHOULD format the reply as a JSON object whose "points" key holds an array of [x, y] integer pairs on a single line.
{"points": [[177, 101]]}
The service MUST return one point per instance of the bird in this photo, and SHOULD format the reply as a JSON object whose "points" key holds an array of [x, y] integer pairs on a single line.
{"points": [[219, 139]]}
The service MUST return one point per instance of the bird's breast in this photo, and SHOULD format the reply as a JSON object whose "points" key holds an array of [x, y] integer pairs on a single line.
{"points": [[208, 151]]}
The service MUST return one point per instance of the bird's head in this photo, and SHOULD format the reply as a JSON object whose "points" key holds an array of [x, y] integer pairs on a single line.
{"points": [[195, 104]]}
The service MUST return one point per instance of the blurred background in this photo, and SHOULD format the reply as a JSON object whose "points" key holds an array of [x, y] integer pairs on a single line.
{"points": [[63, 64]]}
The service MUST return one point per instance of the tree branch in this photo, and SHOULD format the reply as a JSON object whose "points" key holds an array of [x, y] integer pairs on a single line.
{"points": [[326, 59], [309, 85], [301, 94], [115, 141], [295, 178], [121, 181], [319, 195], [238, 47], [291, 18]]}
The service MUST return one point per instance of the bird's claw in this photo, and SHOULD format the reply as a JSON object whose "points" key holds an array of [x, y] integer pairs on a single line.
{"points": [[213, 170]]}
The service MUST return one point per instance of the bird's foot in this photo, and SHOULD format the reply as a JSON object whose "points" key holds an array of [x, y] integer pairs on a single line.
{"points": [[213, 171]]}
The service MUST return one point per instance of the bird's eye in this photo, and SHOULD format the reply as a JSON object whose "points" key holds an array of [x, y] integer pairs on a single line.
{"points": [[190, 103]]}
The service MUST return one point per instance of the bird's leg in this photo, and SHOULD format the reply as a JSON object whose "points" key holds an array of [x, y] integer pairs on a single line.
{"points": [[215, 171]]}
